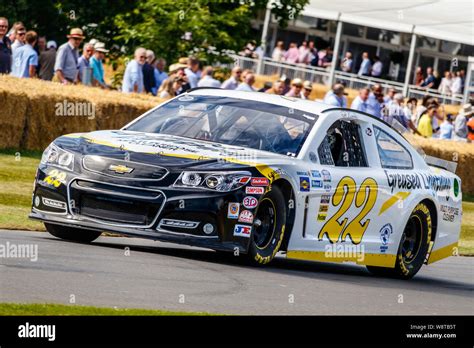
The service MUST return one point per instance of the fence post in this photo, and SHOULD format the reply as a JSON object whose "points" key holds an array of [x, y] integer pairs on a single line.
{"points": [[263, 45], [411, 56], [335, 54]]}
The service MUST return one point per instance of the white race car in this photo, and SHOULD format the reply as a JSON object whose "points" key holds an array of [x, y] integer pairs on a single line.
{"points": [[258, 174]]}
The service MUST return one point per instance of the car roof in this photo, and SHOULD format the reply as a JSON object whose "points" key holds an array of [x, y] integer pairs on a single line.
{"points": [[310, 106]]}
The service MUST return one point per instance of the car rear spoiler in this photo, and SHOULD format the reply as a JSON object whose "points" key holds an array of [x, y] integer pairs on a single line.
{"points": [[441, 163]]}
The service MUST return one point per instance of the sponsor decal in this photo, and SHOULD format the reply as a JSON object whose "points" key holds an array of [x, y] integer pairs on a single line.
{"points": [[385, 233], [233, 211], [326, 175], [259, 182], [449, 212], [246, 217], [250, 202], [327, 187], [315, 173], [53, 203], [322, 216], [316, 184], [313, 157], [251, 190], [323, 208], [368, 131], [403, 181], [242, 231], [179, 223], [456, 187], [325, 199], [416, 181], [304, 184], [302, 173]]}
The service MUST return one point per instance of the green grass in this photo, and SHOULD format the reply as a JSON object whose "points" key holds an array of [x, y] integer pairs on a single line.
{"points": [[16, 184], [36, 309]]}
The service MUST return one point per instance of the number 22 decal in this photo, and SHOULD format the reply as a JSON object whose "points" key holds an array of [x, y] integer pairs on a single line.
{"points": [[344, 194]]}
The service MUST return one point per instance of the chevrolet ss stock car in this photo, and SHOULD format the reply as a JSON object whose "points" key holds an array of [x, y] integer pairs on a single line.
{"points": [[256, 173]]}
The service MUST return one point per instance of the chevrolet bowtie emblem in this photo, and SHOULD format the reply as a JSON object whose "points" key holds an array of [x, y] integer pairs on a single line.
{"points": [[120, 169]]}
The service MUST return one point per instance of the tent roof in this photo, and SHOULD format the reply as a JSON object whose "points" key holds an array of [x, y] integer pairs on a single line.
{"points": [[451, 20]]}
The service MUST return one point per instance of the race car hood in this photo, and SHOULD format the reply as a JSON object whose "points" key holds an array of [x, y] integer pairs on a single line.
{"points": [[167, 150]]}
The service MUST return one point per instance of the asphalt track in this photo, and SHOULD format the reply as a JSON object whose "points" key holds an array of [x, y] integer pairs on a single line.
{"points": [[173, 277]]}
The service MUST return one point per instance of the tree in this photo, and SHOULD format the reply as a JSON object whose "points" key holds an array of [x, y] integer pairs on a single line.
{"points": [[54, 18], [207, 29]]}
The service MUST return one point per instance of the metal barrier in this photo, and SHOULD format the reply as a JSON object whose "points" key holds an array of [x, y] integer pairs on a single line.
{"points": [[269, 67], [419, 92]]}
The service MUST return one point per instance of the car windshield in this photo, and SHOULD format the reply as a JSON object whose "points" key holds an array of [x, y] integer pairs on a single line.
{"points": [[231, 121]]}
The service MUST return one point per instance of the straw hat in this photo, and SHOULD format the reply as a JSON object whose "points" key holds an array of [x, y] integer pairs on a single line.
{"points": [[100, 47], [297, 82], [76, 32], [177, 66], [308, 85], [467, 110]]}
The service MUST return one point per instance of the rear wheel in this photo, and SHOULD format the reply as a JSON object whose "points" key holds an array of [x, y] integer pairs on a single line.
{"points": [[268, 227], [413, 246], [72, 234]]}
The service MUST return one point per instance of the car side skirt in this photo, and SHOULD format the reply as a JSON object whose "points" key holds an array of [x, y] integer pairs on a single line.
{"points": [[381, 260]]}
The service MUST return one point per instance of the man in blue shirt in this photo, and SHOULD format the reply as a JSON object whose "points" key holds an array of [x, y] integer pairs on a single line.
{"points": [[65, 66], [430, 79], [360, 103], [160, 74], [365, 66], [133, 76], [96, 64], [336, 96], [192, 72], [25, 58]]}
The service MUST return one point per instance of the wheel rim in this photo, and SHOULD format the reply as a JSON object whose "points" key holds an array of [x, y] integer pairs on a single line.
{"points": [[266, 215], [411, 239]]}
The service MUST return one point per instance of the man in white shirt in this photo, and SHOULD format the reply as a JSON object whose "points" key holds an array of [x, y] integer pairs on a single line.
{"points": [[346, 64], [207, 80], [247, 84], [377, 67], [456, 87], [233, 81], [133, 76]]}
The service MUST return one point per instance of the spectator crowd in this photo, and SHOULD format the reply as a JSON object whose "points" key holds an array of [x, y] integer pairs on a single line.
{"points": [[25, 54]]}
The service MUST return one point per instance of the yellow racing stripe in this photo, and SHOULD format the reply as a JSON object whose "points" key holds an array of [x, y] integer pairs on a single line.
{"points": [[399, 196]]}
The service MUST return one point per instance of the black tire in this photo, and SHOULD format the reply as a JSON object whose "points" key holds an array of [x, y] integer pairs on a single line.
{"points": [[72, 234], [269, 228], [413, 246]]}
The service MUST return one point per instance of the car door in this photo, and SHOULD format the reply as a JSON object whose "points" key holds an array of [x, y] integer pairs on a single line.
{"points": [[341, 211]]}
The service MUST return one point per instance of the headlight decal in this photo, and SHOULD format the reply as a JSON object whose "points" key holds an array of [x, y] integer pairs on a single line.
{"points": [[54, 155], [214, 181]]}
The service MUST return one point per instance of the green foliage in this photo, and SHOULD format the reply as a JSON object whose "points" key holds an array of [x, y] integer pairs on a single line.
{"points": [[204, 28]]}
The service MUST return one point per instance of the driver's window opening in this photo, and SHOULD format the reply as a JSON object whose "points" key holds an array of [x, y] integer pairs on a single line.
{"points": [[343, 146]]}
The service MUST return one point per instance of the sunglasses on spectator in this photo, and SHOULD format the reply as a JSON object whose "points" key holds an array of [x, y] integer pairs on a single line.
{"points": [[142, 57], [3, 26], [21, 34], [77, 38]]}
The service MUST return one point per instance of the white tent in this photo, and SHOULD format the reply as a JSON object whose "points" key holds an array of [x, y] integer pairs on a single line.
{"points": [[451, 20]]}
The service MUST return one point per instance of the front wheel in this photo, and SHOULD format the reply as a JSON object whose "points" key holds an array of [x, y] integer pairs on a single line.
{"points": [[72, 234], [413, 246], [268, 227]]}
